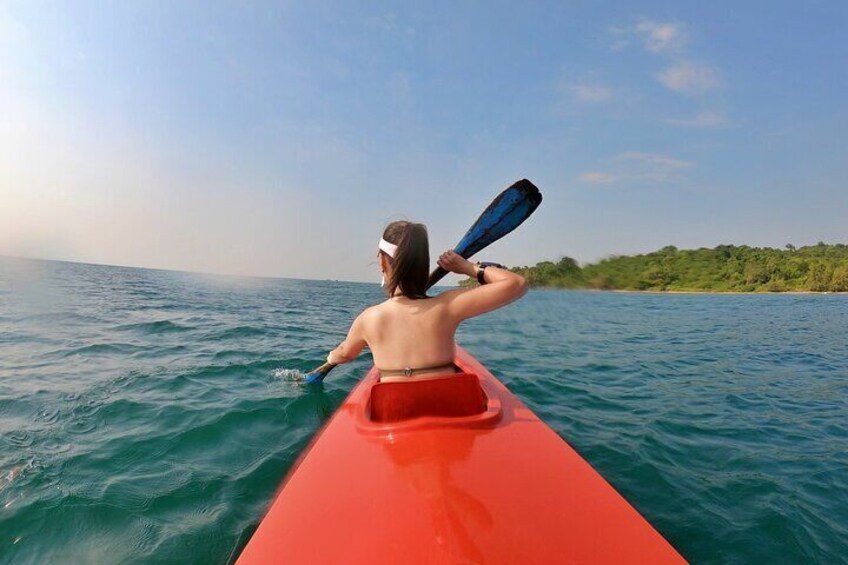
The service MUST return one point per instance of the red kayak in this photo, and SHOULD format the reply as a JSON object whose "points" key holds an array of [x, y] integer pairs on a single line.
{"points": [[496, 486]]}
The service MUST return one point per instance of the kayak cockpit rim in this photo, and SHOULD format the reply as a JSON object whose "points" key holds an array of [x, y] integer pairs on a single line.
{"points": [[488, 418]]}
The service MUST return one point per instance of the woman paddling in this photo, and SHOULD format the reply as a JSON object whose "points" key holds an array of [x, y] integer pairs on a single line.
{"points": [[410, 334]]}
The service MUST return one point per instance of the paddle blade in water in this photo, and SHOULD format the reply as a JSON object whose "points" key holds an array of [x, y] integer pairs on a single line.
{"points": [[317, 375], [506, 212], [314, 378]]}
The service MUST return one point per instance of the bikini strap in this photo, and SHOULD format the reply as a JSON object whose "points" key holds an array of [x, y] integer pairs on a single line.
{"points": [[409, 371]]}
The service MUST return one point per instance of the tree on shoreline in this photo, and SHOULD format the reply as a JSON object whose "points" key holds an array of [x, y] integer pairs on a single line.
{"points": [[817, 268]]}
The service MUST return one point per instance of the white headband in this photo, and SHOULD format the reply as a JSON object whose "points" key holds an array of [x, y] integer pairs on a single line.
{"points": [[389, 248]]}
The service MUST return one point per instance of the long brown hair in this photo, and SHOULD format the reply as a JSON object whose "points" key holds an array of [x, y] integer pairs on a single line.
{"points": [[411, 263]]}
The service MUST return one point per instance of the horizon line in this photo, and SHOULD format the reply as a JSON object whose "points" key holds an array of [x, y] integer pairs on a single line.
{"points": [[207, 273]]}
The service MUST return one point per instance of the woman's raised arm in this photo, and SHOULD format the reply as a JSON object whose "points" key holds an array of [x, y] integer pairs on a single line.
{"points": [[501, 288]]}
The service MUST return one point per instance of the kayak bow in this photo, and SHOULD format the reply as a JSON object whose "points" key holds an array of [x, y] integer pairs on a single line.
{"points": [[496, 487]]}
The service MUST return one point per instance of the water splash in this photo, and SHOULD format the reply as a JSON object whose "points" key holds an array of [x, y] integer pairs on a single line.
{"points": [[289, 375], [8, 477]]}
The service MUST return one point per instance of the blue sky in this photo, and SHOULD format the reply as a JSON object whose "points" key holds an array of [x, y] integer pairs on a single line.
{"points": [[279, 139]]}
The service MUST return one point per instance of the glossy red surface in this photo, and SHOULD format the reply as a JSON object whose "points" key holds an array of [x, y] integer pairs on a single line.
{"points": [[454, 395], [497, 487]]}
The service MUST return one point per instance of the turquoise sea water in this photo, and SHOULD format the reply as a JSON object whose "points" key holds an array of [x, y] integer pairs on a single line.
{"points": [[148, 416]]}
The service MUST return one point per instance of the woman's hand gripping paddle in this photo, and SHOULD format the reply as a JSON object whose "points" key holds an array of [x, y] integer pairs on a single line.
{"points": [[506, 212]]}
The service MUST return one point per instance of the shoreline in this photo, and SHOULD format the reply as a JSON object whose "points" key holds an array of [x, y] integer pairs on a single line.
{"points": [[753, 292]]}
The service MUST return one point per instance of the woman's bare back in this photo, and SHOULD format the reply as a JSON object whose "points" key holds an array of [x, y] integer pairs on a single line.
{"points": [[404, 332], [408, 332]]}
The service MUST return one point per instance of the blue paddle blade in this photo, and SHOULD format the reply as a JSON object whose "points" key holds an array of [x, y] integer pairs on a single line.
{"points": [[314, 378], [504, 214]]}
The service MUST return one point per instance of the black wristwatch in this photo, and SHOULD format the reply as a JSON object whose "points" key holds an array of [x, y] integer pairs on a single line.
{"points": [[481, 268]]}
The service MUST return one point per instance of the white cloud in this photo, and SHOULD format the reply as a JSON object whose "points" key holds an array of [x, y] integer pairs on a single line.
{"points": [[661, 37], [573, 96], [597, 177], [654, 159], [653, 36], [638, 166], [690, 77], [655, 167], [705, 119], [669, 40], [592, 92]]}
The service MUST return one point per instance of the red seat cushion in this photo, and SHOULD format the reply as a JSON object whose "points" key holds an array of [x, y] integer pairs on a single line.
{"points": [[453, 395]]}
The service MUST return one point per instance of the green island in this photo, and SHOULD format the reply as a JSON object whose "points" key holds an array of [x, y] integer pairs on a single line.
{"points": [[725, 268]]}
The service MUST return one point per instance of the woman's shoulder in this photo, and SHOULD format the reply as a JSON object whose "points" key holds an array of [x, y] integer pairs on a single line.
{"points": [[448, 295], [441, 298], [371, 311], [390, 305]]}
